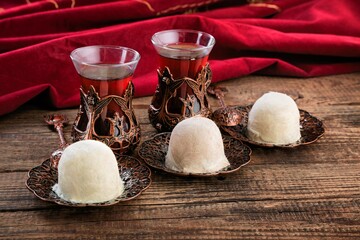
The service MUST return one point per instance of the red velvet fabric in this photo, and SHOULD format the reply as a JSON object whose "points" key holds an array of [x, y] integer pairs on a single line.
{"points": [[282, 37]]}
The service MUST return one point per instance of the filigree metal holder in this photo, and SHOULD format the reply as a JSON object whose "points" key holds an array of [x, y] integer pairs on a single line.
{"points": [[160, 116], [122, 128]]}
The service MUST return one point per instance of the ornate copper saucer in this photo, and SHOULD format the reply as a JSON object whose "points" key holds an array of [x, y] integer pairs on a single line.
{"points": [[153, 152], [136, 177], [311, 129]]}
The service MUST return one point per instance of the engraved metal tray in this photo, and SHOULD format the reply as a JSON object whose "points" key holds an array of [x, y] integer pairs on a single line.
{"points": [[153, 152], [311, 129], [135, 175]]}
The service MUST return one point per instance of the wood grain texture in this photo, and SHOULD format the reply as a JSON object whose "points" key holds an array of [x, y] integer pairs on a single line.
{"points": [[309, 192]]}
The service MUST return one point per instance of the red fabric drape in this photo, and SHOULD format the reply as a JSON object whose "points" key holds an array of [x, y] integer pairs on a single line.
{"points": [[281, 37]]}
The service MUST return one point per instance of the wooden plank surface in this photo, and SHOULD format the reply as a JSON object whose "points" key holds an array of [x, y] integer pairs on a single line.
{"points": [[310, 192]]}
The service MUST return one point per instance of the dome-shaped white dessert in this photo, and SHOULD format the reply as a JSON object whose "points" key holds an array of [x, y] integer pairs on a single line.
{"points": [[274, 118], [88, 173], [196, 146]]}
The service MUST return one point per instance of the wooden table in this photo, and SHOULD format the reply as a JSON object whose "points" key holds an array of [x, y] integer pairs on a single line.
{"points": [[309, 192]]}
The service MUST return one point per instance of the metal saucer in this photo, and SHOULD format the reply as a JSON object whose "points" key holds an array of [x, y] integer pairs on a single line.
{"points": [[153, 152], [311, 129], [136, 177]]}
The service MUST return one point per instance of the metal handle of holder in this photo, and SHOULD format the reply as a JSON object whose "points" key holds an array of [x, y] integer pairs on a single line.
{"points": [[58, 121]]}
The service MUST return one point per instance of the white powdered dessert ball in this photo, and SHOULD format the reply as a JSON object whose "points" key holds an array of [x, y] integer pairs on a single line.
{"points": [[274, 118], [88, 173], [196, 146]]}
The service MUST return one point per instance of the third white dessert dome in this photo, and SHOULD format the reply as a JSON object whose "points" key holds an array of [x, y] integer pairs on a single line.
{"points": [[274, 118]]}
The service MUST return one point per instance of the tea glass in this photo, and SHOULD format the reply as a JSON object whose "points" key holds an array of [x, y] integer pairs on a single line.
{"points": [[106, 113], [183, 77]]}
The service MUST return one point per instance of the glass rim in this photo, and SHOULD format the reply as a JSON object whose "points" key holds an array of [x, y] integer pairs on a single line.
{"points": [[211, 37], [136, 55]]}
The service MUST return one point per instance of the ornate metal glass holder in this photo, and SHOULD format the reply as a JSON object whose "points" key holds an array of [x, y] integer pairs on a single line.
{"points": [[123, 132], [197, 103]]}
